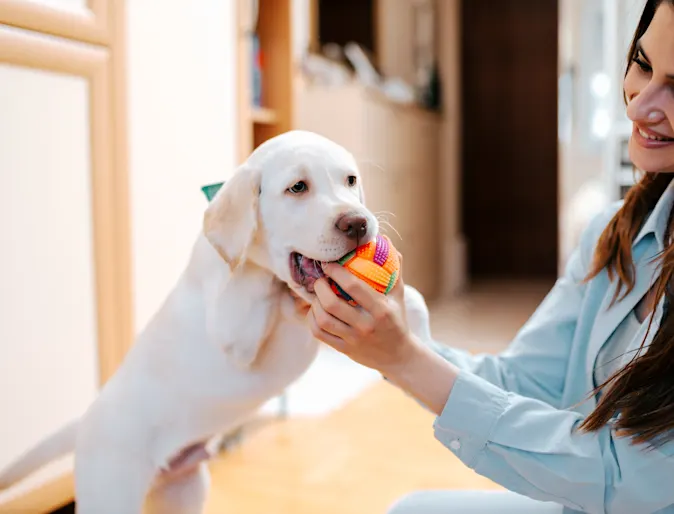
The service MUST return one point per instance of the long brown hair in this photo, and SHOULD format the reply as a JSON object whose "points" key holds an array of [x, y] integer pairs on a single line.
{"points": [[643, 391]]}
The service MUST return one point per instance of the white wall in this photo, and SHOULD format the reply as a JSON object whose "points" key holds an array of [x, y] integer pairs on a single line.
{"points": [[580, 153], [585, 167], [182, 121]]}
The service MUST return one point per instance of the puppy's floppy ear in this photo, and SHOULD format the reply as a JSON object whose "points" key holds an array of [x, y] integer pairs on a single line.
{"points": [[241, 305], [242, 312], [230, 221]]}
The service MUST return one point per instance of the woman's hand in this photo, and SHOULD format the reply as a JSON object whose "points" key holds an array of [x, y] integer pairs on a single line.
{"points": [[375, 334]]}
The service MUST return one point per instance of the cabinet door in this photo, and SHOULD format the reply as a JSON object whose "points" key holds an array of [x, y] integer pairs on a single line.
{"points": [[84, 20], [62, 318]]}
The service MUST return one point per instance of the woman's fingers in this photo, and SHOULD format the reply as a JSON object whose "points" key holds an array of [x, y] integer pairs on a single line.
{"points": [[322, 335], [335, 306], [329, 323], [364, 295]]}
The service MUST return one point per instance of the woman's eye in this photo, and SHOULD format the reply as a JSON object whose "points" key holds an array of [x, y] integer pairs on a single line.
{"points": [[352, 180], [299, 187], [643, 65]]}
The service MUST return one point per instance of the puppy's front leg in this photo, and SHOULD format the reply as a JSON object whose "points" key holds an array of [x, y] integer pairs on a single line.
{"points": [[417, 314], [242, 311]]}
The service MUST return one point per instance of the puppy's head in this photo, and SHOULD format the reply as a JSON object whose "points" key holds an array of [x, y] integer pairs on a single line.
{"points": [[296, 202]]}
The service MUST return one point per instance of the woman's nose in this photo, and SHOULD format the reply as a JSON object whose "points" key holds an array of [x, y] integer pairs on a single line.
{"points": [[643, 108]]}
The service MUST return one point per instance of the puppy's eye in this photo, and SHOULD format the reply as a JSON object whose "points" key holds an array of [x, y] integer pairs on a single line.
{"points": [[352, 180], [299, 187]]}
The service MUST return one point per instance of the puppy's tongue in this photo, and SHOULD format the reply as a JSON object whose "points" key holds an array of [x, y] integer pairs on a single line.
{"points": [[311, 272]]}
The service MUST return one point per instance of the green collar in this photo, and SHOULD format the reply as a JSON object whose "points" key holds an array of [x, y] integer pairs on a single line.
{"points": [[211, 190]]}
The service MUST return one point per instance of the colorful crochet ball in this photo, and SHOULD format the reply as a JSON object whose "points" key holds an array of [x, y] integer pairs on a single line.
{"points": [[376, 263]]}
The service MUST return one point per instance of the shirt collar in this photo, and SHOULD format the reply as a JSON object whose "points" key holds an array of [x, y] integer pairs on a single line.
{"points": [[656, 223]]}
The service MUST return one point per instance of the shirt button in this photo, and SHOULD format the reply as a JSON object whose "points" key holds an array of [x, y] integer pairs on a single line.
{"points": [[455, 444]]}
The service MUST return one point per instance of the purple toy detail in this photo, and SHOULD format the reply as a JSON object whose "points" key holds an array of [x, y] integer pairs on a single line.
{"points": [[381, 251]]}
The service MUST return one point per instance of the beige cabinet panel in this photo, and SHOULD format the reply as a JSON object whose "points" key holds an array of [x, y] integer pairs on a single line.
{"points": [[48, 326], [82, 20]]}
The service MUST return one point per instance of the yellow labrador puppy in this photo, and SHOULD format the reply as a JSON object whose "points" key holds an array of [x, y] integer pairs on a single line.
{"points": [[227, 338]]}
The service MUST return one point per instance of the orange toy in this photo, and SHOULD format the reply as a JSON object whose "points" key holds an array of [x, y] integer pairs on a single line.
{"points": [[376, 263]]}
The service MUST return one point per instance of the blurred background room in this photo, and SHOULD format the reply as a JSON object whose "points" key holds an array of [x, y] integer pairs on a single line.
{"points": [[487, 132]]}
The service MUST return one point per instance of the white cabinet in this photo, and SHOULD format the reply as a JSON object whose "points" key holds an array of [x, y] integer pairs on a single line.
{"points": [[48, 325], [65, 307]]}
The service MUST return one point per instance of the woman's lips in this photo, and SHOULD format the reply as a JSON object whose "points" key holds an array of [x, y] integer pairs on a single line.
{"points": [[650, 139]]}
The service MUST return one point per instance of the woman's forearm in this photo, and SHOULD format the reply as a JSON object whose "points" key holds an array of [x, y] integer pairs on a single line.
{"points": [[426, 376]]}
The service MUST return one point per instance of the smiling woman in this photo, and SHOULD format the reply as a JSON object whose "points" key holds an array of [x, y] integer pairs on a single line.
{"points": [[647, 405], [577, 415]]}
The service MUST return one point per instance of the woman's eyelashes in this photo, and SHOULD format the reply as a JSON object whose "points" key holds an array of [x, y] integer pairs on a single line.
{"points": [[642, 61]]}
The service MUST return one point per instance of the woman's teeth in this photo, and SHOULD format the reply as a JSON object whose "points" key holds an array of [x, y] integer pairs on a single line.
{"points": [[653, 138]]}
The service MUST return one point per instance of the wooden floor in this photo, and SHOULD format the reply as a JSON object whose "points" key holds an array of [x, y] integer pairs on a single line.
{"points": [[380, 446]]}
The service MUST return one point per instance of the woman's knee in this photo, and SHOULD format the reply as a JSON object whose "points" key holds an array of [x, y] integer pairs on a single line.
{"points": [[420, 502]]}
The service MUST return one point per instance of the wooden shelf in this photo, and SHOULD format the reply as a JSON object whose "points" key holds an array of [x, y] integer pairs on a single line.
{"points": [[264, 116], [274, 30]]}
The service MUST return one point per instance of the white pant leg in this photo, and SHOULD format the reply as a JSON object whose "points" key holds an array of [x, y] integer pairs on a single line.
{"points": [[471, 502]]}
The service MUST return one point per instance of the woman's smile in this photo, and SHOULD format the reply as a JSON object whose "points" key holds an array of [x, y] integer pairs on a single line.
{"points": [[650, 139]]}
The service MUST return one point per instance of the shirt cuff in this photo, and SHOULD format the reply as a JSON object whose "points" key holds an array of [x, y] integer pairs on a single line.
{"points": [[469, 416]]}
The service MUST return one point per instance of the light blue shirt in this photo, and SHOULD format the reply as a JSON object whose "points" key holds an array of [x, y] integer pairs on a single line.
{"points": [[609, 358], [512, 417]]}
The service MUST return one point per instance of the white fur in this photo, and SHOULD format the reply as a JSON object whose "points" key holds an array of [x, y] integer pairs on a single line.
{"points": [[226, 339]]}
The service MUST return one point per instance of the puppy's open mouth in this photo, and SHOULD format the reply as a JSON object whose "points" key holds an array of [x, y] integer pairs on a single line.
{"points": [[305, 271]]}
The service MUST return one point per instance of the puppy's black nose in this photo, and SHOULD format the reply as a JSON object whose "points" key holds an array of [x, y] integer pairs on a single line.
{"points": [[354, 226]]}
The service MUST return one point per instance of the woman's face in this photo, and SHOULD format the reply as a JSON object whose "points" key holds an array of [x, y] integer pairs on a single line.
{"points": [[649, 88]]}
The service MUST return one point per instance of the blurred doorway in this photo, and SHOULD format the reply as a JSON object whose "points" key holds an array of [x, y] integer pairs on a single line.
{"points": [[509, 102]]}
